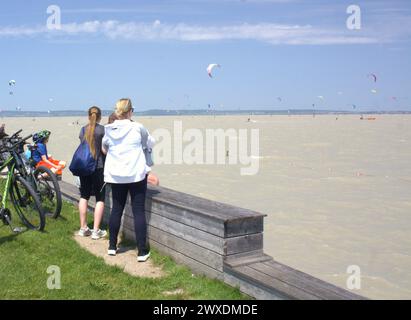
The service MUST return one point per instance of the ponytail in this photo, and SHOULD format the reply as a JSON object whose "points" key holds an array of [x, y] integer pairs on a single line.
{"points": [[94, 116]]}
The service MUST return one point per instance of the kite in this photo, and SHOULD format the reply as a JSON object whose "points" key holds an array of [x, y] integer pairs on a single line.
{"points": [[11, 84], [372, 75], [374, 91], [211, 67]]}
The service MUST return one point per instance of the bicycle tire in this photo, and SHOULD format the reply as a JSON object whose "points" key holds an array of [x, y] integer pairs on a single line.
{"points": [[49, 191], [27, 204]]}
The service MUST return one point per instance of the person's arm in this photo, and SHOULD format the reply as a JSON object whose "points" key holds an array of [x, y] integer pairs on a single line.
{"points": [[104, 145], [150, 140], [81, 134]]}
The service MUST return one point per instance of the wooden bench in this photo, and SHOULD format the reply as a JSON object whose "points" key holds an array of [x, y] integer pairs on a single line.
{"points": [[220, 241]]}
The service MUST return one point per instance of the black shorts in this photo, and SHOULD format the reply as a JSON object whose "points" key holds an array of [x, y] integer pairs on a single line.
{"points": [[93, 185]]}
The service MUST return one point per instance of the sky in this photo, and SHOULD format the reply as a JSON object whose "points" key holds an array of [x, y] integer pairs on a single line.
{"points": [[274, 55]]}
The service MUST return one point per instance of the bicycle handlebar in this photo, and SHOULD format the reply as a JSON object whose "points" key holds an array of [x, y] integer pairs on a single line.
{"points": [[15, 134], [14, 145], [21, 141]]}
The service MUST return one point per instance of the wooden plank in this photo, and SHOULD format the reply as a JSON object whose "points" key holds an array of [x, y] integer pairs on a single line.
{"points": [[251, 289], [219, 245], [185, 232], [270, 284], [304, 284], [192, 250], [245, 243], [196, 266], [246, 258], [310, 283], [188, 217], [229, 228], [187, 248], [244, 225]]}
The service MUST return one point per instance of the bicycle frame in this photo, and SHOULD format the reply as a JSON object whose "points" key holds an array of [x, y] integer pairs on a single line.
{"points": [[8, 163]]}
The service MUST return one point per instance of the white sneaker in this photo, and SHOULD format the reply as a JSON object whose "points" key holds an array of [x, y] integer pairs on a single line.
{"points": [[98, 234], [143, 256], [111, 252], [84, 232]]}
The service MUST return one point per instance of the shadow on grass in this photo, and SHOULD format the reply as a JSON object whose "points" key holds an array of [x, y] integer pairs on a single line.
{"points": [[11, 237]]}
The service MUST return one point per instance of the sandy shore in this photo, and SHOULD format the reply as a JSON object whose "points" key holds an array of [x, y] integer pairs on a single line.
{"points": [[336, 192]]}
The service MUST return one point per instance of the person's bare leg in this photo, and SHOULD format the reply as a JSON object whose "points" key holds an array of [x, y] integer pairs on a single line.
{"points": [[98, 214], [82, 208], [62, 164]]}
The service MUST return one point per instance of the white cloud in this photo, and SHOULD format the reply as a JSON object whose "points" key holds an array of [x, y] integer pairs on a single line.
{"points": [[158, 31]]}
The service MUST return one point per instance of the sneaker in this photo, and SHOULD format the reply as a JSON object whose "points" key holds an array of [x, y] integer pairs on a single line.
{"points": [[98, 234], [143, 256], [84, 232], [112, 252]]}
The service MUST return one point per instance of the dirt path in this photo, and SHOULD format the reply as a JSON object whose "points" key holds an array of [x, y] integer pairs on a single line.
{"points": [[126, 258]]}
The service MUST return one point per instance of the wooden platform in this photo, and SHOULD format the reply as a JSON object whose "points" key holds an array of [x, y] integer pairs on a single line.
{"points": [[220, 241]]}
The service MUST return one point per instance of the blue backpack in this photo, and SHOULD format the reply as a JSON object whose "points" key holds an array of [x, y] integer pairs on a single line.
{"points": [[83, 163]]}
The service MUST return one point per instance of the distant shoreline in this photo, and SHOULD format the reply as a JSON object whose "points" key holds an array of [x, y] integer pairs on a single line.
{"points": [[80, 113]]}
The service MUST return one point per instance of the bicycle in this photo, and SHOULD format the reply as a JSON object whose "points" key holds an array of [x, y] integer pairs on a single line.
{"points": [[42, 179], [19, 192]]}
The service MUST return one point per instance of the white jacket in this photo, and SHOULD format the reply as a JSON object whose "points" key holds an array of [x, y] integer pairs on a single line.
{"points": [[125, 161]]}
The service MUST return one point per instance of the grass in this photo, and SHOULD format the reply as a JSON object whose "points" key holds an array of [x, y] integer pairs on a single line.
{"points": [[25, 257]]}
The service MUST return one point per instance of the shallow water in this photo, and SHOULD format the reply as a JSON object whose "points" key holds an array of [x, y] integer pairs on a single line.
{"points": [[336, 192]]}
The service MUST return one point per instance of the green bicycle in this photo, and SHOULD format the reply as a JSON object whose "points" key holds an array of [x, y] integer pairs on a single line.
{"points": [[41, 178], [19, 192]]}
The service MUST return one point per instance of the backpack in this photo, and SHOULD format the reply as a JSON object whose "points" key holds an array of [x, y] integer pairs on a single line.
{"points": [[147, 151], [83, 163]]}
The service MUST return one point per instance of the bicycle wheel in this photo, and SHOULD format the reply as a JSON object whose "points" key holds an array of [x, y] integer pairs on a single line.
{"points": [[27, 204], [48, 189]]}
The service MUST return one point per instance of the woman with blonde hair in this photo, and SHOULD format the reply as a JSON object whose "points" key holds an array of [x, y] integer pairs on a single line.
{"points": [[93, 133], [126, 170], [152, 177]]}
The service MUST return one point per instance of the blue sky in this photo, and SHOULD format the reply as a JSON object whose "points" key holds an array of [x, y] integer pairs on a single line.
{"points": [[157, 52]]}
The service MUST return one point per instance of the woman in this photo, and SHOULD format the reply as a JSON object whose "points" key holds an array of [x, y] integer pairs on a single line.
{"points": [[152, 177], [93, 133], [126, 170]]}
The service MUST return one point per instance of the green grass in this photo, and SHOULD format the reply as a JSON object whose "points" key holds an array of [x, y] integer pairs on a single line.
{"points": [[25, 257]]}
